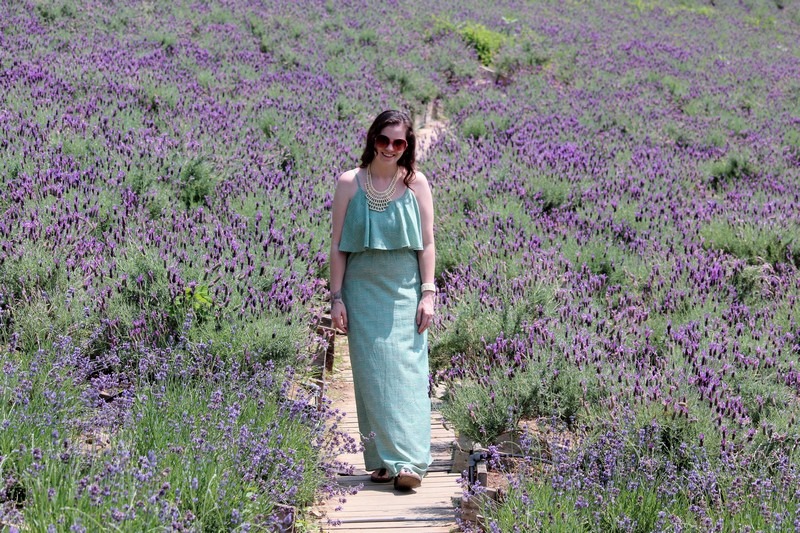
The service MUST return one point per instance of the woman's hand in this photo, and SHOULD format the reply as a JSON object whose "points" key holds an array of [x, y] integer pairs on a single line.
{"points": [[339, 315], [425, 310]]}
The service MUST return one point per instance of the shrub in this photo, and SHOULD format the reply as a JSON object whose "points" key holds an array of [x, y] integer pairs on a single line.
{"points": [[50, 11], [214, 447], [270, 120], [733, 168], [474, 127], [483, 410], [677, 88], [411, 84], [196, 182], [791, 140], [551, 192], [754, 243], [486, 42], [479, 125]]}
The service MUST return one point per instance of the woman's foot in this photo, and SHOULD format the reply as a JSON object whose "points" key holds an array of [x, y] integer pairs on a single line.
{"points": [[406, 480], [380, 476]]}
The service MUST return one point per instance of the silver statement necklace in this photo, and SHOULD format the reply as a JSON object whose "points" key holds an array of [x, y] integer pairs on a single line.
{"points": [[379, 200]]}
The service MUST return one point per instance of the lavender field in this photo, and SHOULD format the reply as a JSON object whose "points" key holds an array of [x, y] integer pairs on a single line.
{"points": [[617, 194]]}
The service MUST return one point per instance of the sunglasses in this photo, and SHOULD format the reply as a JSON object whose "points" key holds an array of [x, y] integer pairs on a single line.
{"points": [[382, 142]]}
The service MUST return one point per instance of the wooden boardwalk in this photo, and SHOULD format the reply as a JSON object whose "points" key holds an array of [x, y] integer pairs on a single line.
{"points": [[377, 507]]}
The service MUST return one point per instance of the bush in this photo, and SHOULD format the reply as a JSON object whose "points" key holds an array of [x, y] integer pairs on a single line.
{"points": [[479, 125], [753, 243], [486, 42], [196, 182], [411, 84], [213, 447], [733, 168], [483, 410]]}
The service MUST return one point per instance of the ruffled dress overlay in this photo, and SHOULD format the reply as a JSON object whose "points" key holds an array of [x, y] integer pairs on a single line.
{"points": [[381, 291]]}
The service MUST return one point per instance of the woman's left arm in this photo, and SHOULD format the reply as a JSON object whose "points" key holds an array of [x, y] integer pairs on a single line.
{"points": [[426, 256]]}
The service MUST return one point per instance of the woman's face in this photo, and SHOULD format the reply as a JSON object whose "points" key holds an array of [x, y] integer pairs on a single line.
{"points": [[392, 151]]}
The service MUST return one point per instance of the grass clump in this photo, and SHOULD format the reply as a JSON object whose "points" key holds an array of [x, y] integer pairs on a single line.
{"points": [[196, 182], [479, 126], [412, 85], [753, 243], [735, 167], [484, 41], [49, 11], [484, 408], [477, 323]]}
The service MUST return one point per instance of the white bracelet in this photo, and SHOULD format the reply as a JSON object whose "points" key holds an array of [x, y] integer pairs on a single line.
{"points": [[428, 287]]}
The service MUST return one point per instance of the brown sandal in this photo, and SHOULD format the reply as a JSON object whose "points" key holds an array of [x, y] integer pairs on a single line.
{"points": [[380, 476], [407, 480]]}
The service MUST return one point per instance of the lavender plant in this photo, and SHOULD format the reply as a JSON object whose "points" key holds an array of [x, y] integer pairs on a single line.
{"points": [[620, 195]]}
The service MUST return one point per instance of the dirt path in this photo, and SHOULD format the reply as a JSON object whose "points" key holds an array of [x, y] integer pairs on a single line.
{"points": [[430, 127]]}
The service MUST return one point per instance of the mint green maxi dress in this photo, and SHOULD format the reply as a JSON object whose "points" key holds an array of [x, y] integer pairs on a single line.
{"points": [[381, 291]]}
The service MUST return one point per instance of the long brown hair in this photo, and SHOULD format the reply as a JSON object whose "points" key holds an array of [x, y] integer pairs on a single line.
{"points": [[409, 158]]}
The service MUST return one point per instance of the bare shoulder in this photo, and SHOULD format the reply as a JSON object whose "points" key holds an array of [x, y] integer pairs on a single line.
{"points": [[419, 177], [347, 184], [420, 184]]}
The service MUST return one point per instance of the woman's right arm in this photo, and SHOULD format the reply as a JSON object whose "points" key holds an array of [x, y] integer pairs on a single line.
{"points": [[345, 189]]}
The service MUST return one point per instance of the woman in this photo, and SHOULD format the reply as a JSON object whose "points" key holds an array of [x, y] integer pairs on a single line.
{"points": [[382, 296]]}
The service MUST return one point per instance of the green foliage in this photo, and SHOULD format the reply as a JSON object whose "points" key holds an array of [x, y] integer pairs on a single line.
{"points": [[449, 57], [756, 244], [676, 87], [213, 449], [551, 192], [50, 11], [367, 37], [525, 51], [621, 268], [791, 139], [270, 121], [38, 399], [476, 323], [479, 125], [734, 168], [483, 409], [715, 138], [219, 15], [195, 299], [166, 40], [267, 338], [486, 42], [206, 79], [196, 182], [702, 106], [157, 97], [411, 84], [474, 127], [679, 7]]}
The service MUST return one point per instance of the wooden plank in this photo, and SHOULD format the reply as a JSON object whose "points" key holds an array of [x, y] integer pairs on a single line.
{"points": [[378, 507], [428, 527]]}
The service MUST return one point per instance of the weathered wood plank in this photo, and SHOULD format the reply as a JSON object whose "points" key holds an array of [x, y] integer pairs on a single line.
{"points": [[378, 507]]}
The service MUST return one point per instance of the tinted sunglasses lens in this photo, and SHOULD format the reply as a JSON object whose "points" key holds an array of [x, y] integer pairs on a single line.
{"points": [[382, 141]]}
